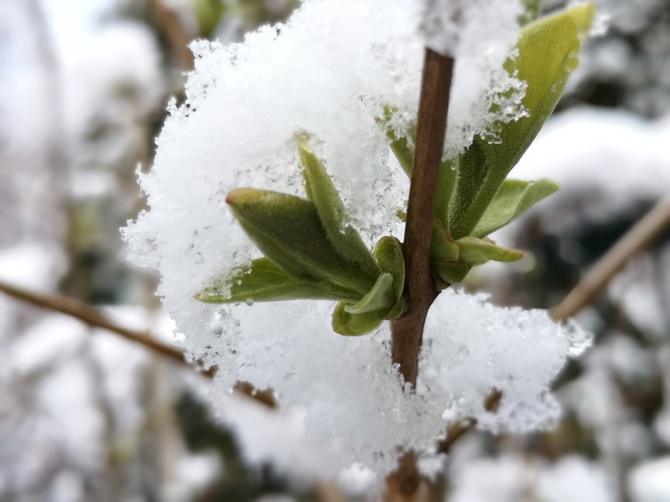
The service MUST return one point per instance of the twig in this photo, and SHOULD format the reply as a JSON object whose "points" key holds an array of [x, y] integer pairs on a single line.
{"points": [[419, 289], [95, 318], [455, 431], [635, 240], [170, 25]]}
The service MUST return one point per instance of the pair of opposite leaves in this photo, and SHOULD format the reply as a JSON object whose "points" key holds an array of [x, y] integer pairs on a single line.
{"points": [[311, 252]]}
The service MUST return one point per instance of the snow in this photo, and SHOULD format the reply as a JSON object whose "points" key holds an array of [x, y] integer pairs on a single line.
{"points": [[503, 479], [120, 65], [480, 35], [616, 157], [650, 481], [46, 343], [197, 472], [516, 351], [31, 267], [330, 70], [577, 480], [511, 478], [277, 436], [357, 479]]}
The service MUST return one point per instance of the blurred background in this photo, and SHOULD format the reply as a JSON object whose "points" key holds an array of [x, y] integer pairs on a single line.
{"points": [[88, 415]]}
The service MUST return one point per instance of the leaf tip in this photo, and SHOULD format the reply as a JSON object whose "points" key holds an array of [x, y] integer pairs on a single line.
{"points": [[240, 196]]}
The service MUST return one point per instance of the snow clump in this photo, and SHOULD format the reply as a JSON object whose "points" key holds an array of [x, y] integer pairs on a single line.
{"points": [[330, 71]]}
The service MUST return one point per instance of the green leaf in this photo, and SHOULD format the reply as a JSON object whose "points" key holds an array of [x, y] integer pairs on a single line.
{"points": [[397, 310], [400, 144], [386, 295], [448, 272], [265, 281], [403, 152], [477, 251], [332, 213], [583, 16], [547, 52], [349, 324], [379, 299], [445, 265], [384, 301], [288, 231], [208, 13], [389, 255], [442, 247], [513, 199], [445, 188], [531, 11]]}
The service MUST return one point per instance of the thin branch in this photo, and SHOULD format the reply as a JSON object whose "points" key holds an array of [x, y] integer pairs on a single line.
{"points": [[455, 431], [170, 25], [419, 288], [643, 234], [96, 319]]}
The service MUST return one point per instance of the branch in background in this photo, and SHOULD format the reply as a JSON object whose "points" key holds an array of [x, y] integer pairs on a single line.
{"points": [[419, 288], [172, 29], [96, 319], [641, 236]]}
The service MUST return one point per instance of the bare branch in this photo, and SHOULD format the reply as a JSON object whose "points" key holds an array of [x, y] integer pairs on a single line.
{"points": [[96, 319], [643, 234]]}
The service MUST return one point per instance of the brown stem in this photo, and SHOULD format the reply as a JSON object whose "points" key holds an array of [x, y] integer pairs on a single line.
{"points": [[635, 240], [419, 288], [172, 29], [94, 318]]}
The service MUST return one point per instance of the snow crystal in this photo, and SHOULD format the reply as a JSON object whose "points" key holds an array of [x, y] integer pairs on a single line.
{"points": [[330, 71]]}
